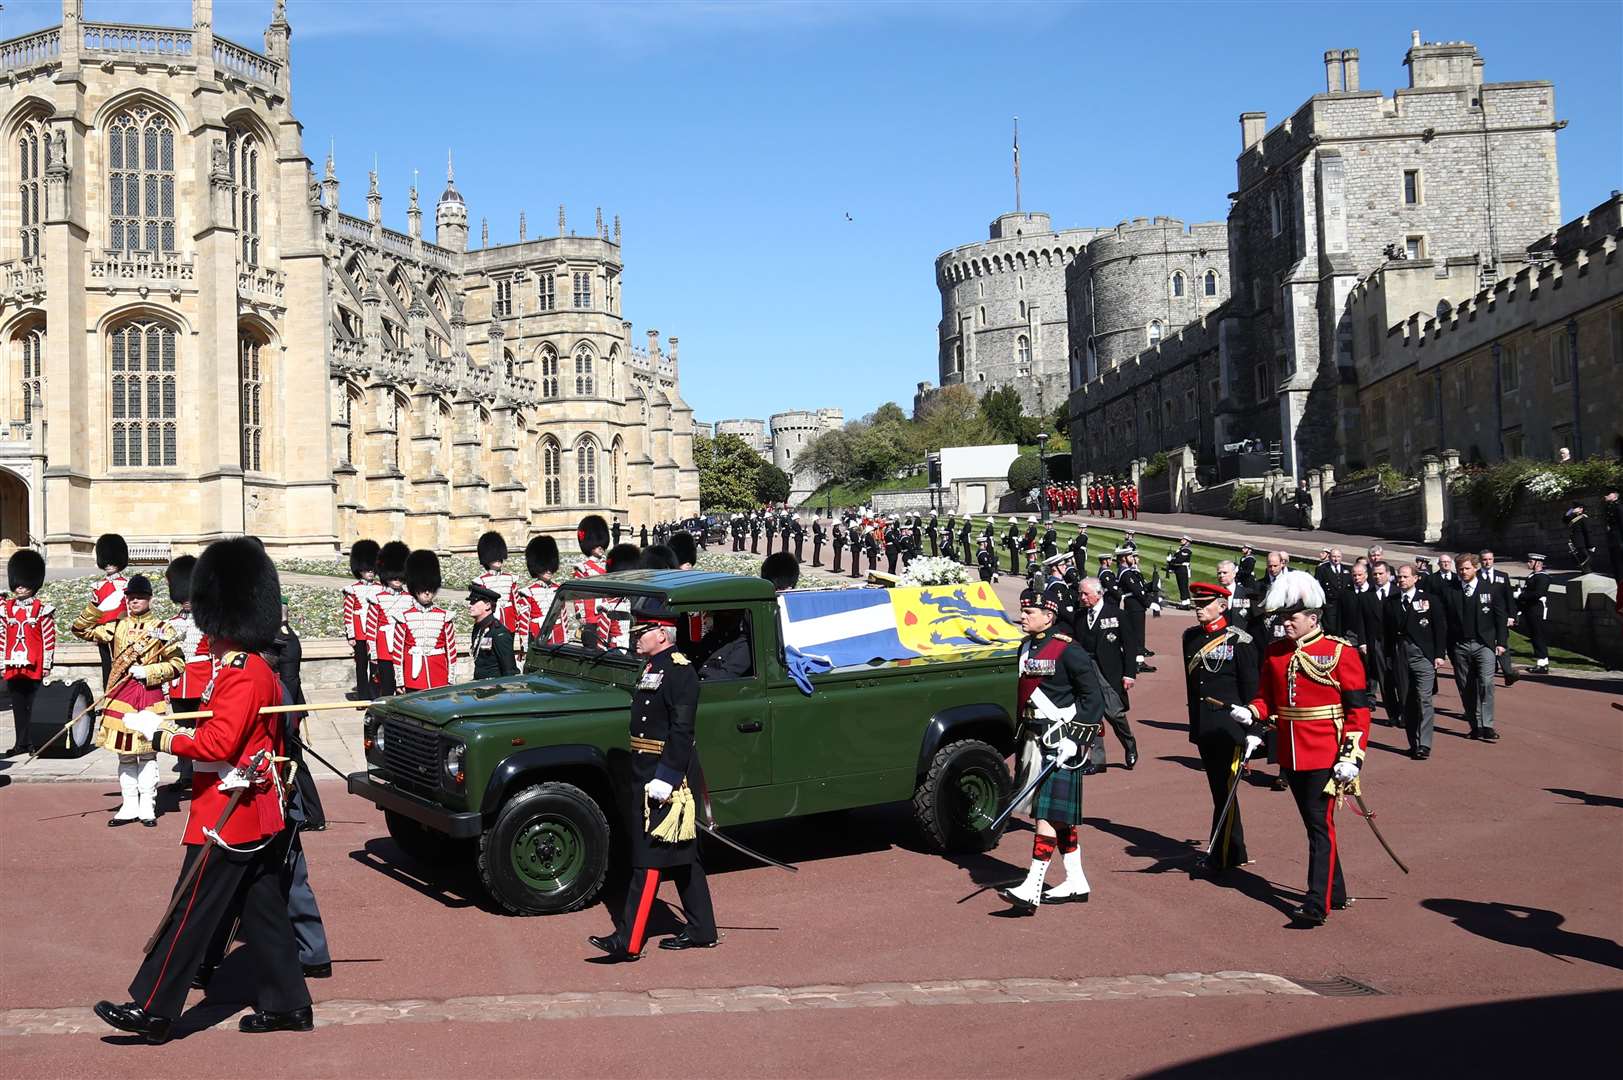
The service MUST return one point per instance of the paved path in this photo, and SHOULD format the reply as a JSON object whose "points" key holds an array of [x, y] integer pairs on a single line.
{"points": [[1509, 924]]}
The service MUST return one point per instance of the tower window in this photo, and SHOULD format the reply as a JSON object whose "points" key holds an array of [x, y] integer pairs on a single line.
{"points": [[1211, 283], [1177, 283], [143, 393], [502, 307], [583, 289], [1411, 187], [546, 286]]}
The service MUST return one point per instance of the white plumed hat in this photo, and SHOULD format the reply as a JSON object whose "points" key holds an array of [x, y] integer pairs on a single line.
{"points": [[1293, 591]]}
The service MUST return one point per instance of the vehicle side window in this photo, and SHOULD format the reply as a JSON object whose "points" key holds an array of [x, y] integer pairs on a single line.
{"points": [[723, 646]]}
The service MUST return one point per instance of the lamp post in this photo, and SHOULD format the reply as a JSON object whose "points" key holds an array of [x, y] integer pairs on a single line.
{"points": [[1042, 483]]}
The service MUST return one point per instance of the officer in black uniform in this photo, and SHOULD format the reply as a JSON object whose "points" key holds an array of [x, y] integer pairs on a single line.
{"points": [[933, 530], [1247, 572], [893, 546], [1135, 602], [665, 790], [1079, 547], [1050, 543], [1221, 664], [1107, 580], [963, 541], [797, 530], [837, 529], [1532, 608], [986, 560], [853, 540], [817, 541], [492, 642], [870, 548], [755, 534], [1178, 562], [771, 531]]}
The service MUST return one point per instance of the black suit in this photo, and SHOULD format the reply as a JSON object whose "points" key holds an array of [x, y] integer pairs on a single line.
{"points": [[1478, 624], [1335, 579], [1416, 633], [1107, 634]]}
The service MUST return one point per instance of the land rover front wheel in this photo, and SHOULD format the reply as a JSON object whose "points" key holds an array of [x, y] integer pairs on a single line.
{"points": [[963, 791], [547, 852]]}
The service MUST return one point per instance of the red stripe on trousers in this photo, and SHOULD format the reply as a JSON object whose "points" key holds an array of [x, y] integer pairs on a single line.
{"points": [[645, 903], [197, 883], [1330, 880]]}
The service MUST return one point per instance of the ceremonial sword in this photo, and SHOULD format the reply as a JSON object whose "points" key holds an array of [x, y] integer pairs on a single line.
{"points": [[1365, 813], [1234, 789]]}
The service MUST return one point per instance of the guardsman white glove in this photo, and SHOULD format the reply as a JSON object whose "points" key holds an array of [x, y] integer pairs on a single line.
{"points": [[657, 790], [1252, 743], [1066, 750], [138, 671], [1345, 772], [1242, 715], [143, 722]]}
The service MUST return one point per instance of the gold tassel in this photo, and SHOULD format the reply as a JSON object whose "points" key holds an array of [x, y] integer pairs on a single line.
{"points": [[681, 821]]}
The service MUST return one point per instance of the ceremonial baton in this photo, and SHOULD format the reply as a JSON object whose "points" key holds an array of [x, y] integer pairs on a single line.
{"points": [[1364, 812], [325, 706], [256, 763]]}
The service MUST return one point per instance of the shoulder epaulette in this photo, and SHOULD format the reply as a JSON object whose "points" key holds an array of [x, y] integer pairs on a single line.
{"points": [[678, 658], [235, 659], [1063, 637], [1239, 634], [1348, 642]]}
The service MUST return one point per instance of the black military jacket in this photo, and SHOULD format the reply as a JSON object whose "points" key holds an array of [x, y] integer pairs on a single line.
{"points": [[1132, 588], [664, 704], [1480, 617], [1111, 643], [1069, 679], [1422, 622], [492, 648], [1221, 664]]}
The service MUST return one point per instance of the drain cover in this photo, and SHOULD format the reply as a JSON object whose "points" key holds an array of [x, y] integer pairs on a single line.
{"points": [[1339, 986]]}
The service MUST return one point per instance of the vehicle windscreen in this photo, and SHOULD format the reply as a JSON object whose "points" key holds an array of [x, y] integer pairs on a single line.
{"points": [[587, 623]]}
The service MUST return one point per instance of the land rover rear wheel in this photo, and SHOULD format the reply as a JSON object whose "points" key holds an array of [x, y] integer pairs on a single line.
{"points": [[547, 852], [963, 791]]}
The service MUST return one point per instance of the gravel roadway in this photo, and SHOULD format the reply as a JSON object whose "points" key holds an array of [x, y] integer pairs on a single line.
{"points": [[878, 959]]}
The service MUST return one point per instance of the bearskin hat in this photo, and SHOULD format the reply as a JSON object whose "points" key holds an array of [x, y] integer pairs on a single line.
{"points": [[623, 557], [492, 549], [111, 550], [657, 557], [592, 534], [541, 556], [236, 595], [363, 557], [179, 576], [26, 570], [682, 546], [422, 572], [392, 560], [781, 569]]}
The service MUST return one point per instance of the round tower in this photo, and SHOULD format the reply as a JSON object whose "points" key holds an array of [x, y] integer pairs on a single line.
{"points": [[451, 215]]}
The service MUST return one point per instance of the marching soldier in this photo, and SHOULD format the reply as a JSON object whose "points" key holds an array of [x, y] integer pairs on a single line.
{"points": [[492, 551], [870, 546], [1050, 543], [236, 809], [1579, 541], [1079, 547], [1178, 562], [1532, 609], [963, 541], [1107, 579], [1312, 691], [592, 615], [1011, 540], [1247, 572], [986, 560], [185, 691], [1028, 542], [107, 598], [771, 531], [28, 642], [358, 597], [1220, 672], [1135, 602], [893, 547], [384, 612], [425, 635], [1059, 702], [145, 659], [797, 530], [755, 533], [854, 541], [665, 786], [492, 642]]}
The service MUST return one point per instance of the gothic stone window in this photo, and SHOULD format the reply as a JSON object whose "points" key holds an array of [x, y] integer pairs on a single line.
{"points": [[583, 372], [583, 289], [1022, 350], [30, 372], [141, 183], [551, 472], [503, 305], [1155, 332], [549, 372], [546, 292], [242, 149], [586, 472], [250, 380], [33, 153], [1177, 283], [143, 394], [1211, 283]]}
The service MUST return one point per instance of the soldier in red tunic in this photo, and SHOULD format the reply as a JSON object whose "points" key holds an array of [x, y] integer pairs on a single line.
{"points": [[425, 635], [534, 601], [384, 611], [107, 597], [493, 557], [185, 690], [358, 597], [1312, 690], [27, 642], [236, 601]]}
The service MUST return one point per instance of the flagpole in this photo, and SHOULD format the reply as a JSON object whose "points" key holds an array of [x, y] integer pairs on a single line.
{"points": [[1017, 165]]}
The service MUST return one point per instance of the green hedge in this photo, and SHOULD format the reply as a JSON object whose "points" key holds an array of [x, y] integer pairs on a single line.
{"points": [[1240, 496], [1495, 493]]}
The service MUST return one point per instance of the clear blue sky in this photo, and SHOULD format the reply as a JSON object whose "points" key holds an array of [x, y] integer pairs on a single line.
{"points": [[733, 139]]}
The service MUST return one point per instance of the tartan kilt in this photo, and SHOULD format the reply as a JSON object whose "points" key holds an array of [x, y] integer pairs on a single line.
{"points": [[1059, 799]]}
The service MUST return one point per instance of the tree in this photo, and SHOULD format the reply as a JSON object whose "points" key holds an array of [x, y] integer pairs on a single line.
{"points": [[771, 484], [828, 457], [1024, 474], [1062, 419], [727, 472], [1005, 416], [951, 417], [877, 452]]}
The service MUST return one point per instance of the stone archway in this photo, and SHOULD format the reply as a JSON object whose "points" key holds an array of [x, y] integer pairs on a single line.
{"points": [[13, 509]]}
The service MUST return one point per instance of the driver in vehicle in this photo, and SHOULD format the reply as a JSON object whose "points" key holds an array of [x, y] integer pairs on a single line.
{"points": [[726, 648]]}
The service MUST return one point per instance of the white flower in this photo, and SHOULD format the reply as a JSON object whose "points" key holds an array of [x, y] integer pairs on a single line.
{"points": [[1545, 485], [934, 570]]}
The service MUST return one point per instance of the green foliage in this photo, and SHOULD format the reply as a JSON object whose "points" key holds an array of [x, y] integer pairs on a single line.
{"points": [[1496, 492], [951, 417], [1386, 477], [1155, 466], [1005, 417], [1025, 472], [727, 472], [771, 483], [1241, 495]]}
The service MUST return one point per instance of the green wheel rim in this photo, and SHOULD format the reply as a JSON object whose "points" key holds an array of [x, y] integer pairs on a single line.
{"points": [[549, 853], [977, 799]]}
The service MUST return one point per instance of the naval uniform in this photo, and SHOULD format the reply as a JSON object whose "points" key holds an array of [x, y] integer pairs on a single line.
{"points": [[1220, 663], [663, 708]]}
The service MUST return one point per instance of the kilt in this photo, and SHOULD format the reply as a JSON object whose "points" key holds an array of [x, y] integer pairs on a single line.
{"points": [[1059, 799]]}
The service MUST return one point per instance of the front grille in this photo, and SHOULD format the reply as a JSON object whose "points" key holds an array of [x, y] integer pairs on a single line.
{"points": [[411, 755]]}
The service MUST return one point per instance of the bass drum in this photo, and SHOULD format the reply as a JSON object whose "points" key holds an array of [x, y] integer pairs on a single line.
{"points": [[54, 705]]}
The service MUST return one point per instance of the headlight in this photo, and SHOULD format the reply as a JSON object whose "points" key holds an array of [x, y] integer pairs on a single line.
{"points": [[454, 776], [374, 739]]}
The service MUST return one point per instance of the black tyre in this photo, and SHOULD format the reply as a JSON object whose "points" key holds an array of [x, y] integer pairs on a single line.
{"points": [[427, 846], [548, 851], [963, 791]]}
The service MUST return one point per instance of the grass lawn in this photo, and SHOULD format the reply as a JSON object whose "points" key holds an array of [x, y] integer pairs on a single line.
{"points": [[856, 494]]}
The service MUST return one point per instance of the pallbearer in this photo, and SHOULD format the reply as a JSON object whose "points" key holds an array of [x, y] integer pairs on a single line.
{"points": [[185, 691], [383, 615], [535, 599], [1220, 672]]}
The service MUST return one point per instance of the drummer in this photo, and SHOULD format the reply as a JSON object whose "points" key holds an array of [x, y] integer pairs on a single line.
{"points": [[146, 656]]}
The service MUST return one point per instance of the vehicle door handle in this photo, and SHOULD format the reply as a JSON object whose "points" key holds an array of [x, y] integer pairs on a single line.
{"points": [[750, 727]]}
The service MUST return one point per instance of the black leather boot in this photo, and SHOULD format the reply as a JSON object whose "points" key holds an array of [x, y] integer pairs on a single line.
{"points": [[136, 1020]]}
